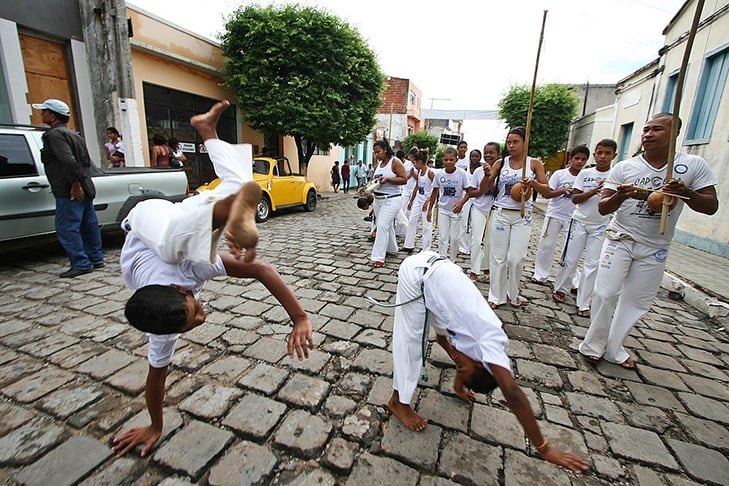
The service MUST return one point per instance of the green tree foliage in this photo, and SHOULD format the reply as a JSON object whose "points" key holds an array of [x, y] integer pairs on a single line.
{"points": [[555, 106], [421, 140], [302, 72]]}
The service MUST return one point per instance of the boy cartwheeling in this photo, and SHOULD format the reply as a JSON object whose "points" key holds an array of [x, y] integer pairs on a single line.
{"points": [[472, 336], [171, 251]]}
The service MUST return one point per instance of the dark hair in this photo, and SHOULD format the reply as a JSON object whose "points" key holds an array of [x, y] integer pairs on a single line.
{"points": [[114, 131], [607, 142], [60, 118], [384, 145], [422, 156], [365, 202], [580, 149], [462, 142], [173, 143], [400, 154], [450, 150], [477, 151], [494, 144], [668, 114], [413, 151], [521, 131], [159, 139], [157, 309], [481, 381]]}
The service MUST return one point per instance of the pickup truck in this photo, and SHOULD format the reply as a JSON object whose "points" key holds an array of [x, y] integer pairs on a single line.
{"points": [[27, 206]]}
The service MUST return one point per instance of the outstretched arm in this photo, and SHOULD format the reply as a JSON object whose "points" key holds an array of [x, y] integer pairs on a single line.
{"points": [[519, 405], [154, 394], [300, 339], [464, 394]]}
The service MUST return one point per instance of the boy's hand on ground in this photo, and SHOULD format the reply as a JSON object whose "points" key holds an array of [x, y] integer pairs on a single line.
{"points": [[300, 339], [131, 438], [565, 459], [466, 395]]}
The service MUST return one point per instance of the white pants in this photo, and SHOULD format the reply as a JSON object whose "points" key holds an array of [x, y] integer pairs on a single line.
{"points": [[449, 227], [582, 237], [401, 223], [627, 282], [479, 247], [386, 211], [552, 230], [184, 230], [466, 224], [417, 213], [509, 239]]}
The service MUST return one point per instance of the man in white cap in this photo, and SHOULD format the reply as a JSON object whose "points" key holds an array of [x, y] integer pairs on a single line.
{"points": [[67, 163]]}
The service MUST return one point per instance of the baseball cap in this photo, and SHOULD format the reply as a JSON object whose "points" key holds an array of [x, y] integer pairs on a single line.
{"points": [[56, 106]]}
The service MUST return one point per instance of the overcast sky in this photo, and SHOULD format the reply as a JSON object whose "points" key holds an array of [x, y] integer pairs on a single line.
{"points": [[465, 54]]}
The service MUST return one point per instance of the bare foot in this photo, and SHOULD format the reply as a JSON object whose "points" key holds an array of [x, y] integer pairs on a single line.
{"points": [[205, 123], [405, 414], [241, 231]]}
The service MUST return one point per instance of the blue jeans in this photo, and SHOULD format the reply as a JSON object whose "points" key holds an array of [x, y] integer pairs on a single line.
{"points": [[77, 229]]}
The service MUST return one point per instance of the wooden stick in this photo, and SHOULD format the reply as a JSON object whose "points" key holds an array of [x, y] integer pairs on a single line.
{"points": [[529, 114], [676, 109]]}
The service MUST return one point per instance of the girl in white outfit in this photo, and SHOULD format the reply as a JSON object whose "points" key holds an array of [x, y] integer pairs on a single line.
{"points": [[387, 204], [509, 231], [418, 204]]}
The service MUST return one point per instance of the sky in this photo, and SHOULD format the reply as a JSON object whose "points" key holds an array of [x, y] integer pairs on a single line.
{"points": [[465, 54]]}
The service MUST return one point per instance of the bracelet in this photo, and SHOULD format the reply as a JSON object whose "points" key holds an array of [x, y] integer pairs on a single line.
{"points": [[542, 445]]}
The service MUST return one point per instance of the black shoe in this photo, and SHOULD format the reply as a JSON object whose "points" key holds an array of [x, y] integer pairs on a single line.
{"points": [[409, 251], [573, 291], [75, 272], [99, 265], [367, 218]]}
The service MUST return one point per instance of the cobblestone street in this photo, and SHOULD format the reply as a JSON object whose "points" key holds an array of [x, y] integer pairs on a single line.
{"points": [[239, 411]]}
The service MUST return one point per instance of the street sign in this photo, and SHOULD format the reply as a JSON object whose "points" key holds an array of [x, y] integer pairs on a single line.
{"points": [[449, 139]]}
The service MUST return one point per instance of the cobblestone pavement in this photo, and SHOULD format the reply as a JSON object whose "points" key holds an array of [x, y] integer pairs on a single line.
{"points": [[238, 411]]}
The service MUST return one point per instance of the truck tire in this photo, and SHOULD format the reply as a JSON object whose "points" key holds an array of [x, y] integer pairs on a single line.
{"points": [[310, 203], [263, 210]]}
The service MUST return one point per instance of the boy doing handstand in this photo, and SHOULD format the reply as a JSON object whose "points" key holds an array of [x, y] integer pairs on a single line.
{"points": [[430, 284], [171, 251]]}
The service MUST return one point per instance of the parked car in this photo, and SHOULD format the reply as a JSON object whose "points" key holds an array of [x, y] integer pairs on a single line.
{"points": [[27, 206], [281, 187]]}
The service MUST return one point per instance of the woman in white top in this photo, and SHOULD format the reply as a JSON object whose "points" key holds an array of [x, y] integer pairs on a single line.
{"points": [[387, 204], [418, 203], [509, 231]]}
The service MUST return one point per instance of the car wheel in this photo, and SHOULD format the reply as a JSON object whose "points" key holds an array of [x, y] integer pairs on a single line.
{"points": [[310, 204], [263, 210]]}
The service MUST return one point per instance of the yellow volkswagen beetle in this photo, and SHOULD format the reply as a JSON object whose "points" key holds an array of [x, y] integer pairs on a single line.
{"points": [[281, 187]]}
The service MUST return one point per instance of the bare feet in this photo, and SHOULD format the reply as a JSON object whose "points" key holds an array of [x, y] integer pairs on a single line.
{"points": [[241, 231], [205, 123], [405, 414]]}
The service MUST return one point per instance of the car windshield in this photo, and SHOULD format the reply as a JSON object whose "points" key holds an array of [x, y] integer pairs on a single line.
{"points": [[260, 166]]}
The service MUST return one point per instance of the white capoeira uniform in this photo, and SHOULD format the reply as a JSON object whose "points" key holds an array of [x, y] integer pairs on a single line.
{"points": [[419, 211], [634, 253], [452, 188], [387, 206], [508, 236], [556, 223], [407, 189], [432, 285], [177, 231], [586, 233], [174, 243], [480, 210], [464, 239]]}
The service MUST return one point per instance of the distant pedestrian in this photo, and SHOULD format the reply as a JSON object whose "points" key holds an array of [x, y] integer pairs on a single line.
{"points": [[68, 164], [634, 253], [177, 156], [160, 152], [114, 148], [345, 176], [334, 173], [361, 174], [370, 171]]}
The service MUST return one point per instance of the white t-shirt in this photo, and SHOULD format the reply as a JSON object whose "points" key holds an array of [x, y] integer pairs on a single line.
{"points": [[472, 326], [561, 207], [464, 163], [140, 267], [484, 202], [634, 217], [407, 189], [452, 187], [587, 212]]}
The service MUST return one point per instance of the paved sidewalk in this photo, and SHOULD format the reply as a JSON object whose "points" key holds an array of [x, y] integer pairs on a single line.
{"points": [[239, 412]]}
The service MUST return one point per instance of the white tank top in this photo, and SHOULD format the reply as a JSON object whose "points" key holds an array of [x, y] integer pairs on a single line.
{"points": [[508, 178], [388, 188], [425, 186]]}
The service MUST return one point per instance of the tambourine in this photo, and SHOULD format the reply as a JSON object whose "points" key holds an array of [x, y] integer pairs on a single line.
{"points": [[371, 186]]}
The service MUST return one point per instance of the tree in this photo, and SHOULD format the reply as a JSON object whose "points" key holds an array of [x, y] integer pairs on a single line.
{"points": [[302, 72], [421, 140], [555, 106]]}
